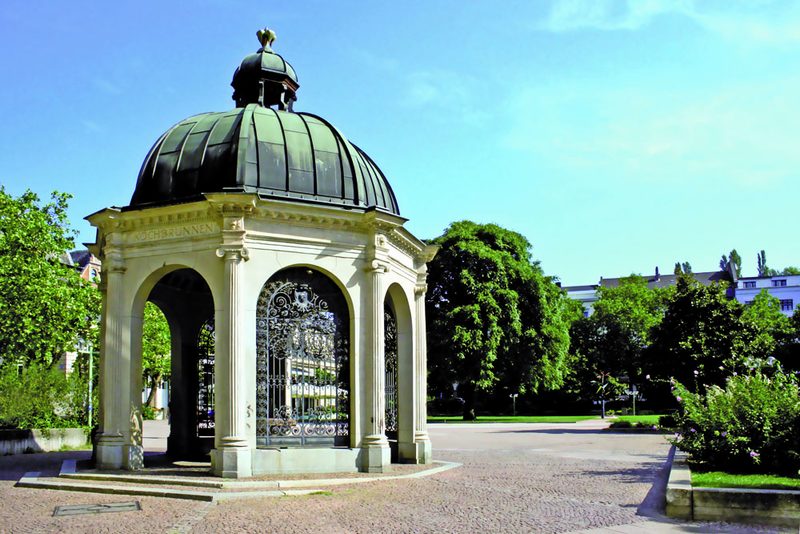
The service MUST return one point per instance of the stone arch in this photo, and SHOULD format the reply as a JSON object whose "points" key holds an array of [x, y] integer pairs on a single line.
{"points": [[304, 359], [401, 436], [185, 296]]}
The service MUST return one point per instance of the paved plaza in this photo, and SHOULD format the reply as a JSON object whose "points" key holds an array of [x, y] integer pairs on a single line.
{"points": [[514, 478]]}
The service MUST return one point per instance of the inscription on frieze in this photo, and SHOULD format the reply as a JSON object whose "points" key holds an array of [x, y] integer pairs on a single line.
{"points": [[171, 232]]}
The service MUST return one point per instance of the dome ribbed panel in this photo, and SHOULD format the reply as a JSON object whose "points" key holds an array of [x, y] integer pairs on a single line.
{"points": [[277, 154]]}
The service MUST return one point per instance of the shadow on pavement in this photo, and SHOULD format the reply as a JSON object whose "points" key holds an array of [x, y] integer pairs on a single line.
{"points": [[557, 431], [48, 463]]}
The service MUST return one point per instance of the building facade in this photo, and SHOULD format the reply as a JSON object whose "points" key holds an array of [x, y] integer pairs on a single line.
{"points": [[784, 288]]}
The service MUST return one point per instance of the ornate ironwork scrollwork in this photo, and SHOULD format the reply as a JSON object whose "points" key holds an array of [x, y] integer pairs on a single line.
{"points": [[302, 372], [390, 363], [205, 377]]}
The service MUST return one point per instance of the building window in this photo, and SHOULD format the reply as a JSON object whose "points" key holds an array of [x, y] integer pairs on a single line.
{"points": [[779, 283], [750, 285], [787, 304]]}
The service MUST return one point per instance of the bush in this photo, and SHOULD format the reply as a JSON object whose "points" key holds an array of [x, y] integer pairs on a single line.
{"points": [[41, 397], [149, 413], [667, 421], [753, 425]]}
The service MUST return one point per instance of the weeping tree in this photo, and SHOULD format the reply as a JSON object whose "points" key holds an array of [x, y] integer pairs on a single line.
{"points": [[156, 350], [495, 321]]}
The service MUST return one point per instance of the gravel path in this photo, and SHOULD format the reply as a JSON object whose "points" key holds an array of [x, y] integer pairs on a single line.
{"points": [[514, 478]]}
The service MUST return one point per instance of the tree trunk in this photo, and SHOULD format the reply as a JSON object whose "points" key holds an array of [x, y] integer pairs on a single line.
{"points": [[151, 397], [469, 402]]}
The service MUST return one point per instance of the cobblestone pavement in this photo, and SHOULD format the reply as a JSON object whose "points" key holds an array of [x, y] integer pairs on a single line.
{"points": [[514, 478]]}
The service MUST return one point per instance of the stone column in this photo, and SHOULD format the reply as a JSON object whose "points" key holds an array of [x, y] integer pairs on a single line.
{"points": [[115, 449], [421, 438], [376, 455], [232, 455]]}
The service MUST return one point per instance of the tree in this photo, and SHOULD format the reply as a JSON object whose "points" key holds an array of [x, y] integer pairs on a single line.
{"points": [[682, 268], [156, 350], [701, 338], [788, 271], [494, 319], [44, 304], [734, 259], [761, 263], [770, 326], [609, 344]]}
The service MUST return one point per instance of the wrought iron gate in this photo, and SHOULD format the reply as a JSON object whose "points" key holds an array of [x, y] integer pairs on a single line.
{"points": [[302, 369], [390, 363], [205, 380]]}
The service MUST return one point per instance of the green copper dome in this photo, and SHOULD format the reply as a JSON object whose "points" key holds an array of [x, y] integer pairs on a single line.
{"points": [[277, 154], [254, 148]]}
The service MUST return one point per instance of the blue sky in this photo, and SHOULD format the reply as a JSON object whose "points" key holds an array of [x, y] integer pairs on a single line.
{"points": [[615, 135]]}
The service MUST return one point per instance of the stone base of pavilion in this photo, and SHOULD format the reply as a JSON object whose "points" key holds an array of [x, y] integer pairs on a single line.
{"points": [[194, 480]]}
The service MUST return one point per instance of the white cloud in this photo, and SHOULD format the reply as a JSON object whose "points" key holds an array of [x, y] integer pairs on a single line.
{"points": [[743, 136], [567, 15], [755, 21]]}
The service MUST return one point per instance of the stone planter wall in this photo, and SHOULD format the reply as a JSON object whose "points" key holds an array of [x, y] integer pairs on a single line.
{"points": [[759, 506], [35, 440]]}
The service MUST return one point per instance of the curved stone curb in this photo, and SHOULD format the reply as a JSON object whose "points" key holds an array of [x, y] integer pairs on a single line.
{"points": [[69, 480]]}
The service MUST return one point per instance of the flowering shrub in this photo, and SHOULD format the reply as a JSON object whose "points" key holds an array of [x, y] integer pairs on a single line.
{"points": [[753, 425]]}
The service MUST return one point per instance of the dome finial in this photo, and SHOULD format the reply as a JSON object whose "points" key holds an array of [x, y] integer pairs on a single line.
{"points": [[266, 37]]}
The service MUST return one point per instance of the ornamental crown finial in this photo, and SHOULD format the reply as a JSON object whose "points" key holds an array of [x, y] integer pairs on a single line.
{"points": [[266, 37]]}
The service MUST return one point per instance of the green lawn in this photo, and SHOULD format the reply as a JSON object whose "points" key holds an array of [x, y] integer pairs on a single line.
{"points": [[716, 479], [513, 419], [633, 419]]}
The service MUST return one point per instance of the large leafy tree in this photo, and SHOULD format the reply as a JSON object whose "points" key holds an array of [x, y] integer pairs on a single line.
{"points": [[44, 304], [156, 350], [702, 338], [494, 319], [609, 344]]}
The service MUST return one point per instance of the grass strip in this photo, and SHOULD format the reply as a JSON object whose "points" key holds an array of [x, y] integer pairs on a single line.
{"points": [[633, 419], [718, 479], [513, 419]]}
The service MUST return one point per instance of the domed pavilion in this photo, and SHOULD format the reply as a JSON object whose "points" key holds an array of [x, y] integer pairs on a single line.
{"points": [[294, 294]]}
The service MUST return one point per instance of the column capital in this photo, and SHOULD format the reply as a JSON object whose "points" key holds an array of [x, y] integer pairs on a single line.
{"points": [[420, 290], [377, 267], [233, 253]]}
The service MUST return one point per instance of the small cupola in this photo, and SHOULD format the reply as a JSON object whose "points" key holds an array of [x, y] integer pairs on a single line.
{"points": [[265, 78]]}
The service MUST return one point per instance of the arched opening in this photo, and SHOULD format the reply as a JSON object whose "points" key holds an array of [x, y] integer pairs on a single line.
{"points": [[399, 374], [302, 361], [186, 300], [391, 375], [156, 364]]}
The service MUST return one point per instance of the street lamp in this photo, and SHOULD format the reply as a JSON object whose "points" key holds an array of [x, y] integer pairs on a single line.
{"points": [[87, 348], [514, 403]]}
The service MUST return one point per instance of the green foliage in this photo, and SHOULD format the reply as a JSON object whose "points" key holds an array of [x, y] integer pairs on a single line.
{"points": [[156, 349], [683, 268], [770, 326], [611, 342], [40, 397], [752, 425], [787, 271], [494, 320], [701, 338], [761, 264], [44, 304], [732, 258]]}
